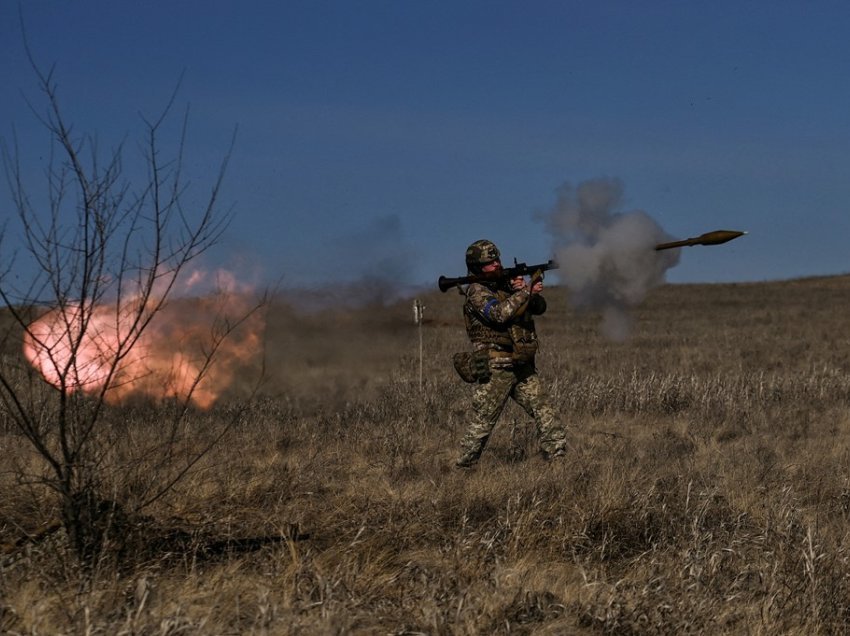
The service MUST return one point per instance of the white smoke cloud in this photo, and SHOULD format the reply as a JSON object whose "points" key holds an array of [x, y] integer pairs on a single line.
{"points": [[607, 256]]}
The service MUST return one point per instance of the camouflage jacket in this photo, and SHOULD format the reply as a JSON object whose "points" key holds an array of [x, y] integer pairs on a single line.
{"points": [[501, 321]]}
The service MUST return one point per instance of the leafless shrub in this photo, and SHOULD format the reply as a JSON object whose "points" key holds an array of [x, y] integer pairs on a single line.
{"points": [[98, 262]]}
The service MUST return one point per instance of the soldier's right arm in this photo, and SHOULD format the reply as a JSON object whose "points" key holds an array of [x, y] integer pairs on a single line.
{"points": [[491, 307]]}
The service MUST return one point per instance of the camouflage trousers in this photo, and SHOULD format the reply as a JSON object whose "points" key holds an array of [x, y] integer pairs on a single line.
{"points": [[489, 399]]}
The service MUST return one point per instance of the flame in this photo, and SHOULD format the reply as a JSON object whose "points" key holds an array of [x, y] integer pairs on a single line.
{"points": [[193, 348]]}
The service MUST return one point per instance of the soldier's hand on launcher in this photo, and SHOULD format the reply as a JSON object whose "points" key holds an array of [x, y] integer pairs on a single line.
{"points": [[518, 283], [537, 287]]}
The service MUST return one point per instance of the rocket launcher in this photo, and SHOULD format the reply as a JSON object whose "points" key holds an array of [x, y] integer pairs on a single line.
{"points": [[519, 269]]}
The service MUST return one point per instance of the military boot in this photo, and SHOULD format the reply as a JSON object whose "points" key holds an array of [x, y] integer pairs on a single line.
{"points": [[558, 453], [468, 459]]}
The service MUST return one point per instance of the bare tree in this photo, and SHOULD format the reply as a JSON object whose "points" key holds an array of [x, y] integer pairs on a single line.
{"points": [[103, 256]]}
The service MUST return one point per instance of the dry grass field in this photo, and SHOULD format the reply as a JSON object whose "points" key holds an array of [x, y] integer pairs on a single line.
{"points": [[707, 488]]}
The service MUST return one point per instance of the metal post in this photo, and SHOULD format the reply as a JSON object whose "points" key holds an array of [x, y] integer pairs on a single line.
{"points": [[418, 313]]}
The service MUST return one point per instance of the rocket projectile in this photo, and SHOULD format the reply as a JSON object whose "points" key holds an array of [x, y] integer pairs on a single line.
{"points": [[709, 238]]}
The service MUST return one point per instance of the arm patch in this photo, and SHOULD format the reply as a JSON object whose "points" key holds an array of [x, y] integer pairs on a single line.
{"points": [[488, 307]]}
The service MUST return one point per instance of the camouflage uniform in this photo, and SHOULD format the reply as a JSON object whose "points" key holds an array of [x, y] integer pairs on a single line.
{"points": [[500, 322]]}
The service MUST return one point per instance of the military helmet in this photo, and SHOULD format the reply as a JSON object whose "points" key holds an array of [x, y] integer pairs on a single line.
{"points": [[480, 253]]}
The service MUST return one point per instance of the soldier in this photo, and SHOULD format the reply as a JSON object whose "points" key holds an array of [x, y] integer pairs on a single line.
{"points": [[500, 325]]}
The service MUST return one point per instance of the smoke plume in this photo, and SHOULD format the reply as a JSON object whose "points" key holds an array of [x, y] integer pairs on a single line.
{"points": [[607, 256], [373, 265]]}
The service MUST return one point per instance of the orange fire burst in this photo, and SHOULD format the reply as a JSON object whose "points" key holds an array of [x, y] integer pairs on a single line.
{"points": [[187, 351]]}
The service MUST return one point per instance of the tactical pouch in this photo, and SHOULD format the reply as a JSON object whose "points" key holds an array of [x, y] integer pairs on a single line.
{"points": [[524, 344], [472, 366], [524, 352]]}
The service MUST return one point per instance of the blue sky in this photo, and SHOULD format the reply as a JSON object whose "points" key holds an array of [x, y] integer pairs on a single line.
{"points": [[392, 134]]}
